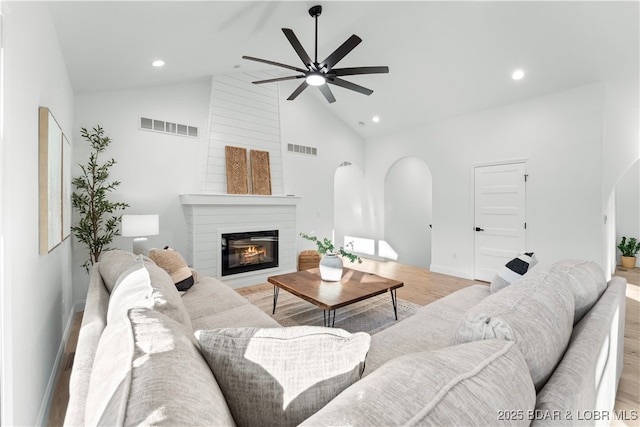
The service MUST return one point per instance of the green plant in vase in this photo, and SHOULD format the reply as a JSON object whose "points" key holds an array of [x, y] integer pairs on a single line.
{"points": [[629, 249], [330, 263], [326, 246], [98, 222]]}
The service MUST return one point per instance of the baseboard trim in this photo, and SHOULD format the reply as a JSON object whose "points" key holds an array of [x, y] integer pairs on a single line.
{"points": [[451, 271], [43, 414], [79, 306]]}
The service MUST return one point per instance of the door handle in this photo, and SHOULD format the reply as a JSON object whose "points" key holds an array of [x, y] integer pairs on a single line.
{"points": [[479, 229]]}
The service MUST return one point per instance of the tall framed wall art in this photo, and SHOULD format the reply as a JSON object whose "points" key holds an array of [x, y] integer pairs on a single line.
{"points": [[54, 181]]}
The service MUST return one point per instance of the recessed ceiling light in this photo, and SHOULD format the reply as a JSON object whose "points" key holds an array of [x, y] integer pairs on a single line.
{"points": [[375, 119], [517, 75], [158, 63]]}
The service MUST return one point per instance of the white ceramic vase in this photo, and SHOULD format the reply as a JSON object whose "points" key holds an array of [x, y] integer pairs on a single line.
{"points": [[331, 267]]}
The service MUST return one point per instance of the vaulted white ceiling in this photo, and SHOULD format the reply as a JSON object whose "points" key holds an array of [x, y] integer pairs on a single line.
{"points": [[446, 58]]}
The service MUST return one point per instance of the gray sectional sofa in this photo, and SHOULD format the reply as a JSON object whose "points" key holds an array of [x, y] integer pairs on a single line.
{"points": [[541, 351]]}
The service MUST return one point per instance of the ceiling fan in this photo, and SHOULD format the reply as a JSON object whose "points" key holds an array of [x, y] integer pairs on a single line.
{"points": [[321, 73]]}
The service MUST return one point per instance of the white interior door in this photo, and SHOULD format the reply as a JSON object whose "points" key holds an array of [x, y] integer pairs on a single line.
{"points": [[499, 217]]}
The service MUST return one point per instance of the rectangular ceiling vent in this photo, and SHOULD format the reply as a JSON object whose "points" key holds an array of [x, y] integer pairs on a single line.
{"points": [[168, 127], [302, 149]]}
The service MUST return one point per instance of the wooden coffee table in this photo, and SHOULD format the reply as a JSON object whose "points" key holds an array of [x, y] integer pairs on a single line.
{"points": [[329, 296]]}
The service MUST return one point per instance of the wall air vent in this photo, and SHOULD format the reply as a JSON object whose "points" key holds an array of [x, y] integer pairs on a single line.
{"points": [[168, 127], [302, 149]]}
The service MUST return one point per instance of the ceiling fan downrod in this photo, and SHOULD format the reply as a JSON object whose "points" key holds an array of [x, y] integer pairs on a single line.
{"points": [[316, 11]]}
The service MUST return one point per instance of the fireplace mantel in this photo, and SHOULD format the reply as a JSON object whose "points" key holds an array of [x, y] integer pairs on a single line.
{"points": [[237, 199], [209, 215]]}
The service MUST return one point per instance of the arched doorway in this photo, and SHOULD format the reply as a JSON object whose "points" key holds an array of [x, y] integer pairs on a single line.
{"points": [[627, 207], [408, 211]]}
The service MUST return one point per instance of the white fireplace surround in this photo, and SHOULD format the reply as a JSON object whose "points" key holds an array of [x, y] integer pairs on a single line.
{"points": [[209, 216]]}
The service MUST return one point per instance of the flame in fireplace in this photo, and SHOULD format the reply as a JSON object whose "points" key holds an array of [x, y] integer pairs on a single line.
{"points": [[253, 254]]}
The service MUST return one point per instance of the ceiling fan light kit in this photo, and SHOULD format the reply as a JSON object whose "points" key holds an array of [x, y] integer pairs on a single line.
{"points": [[321, 74], [315, 79]]}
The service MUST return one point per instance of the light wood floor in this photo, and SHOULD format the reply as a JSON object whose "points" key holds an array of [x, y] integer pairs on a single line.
{"points": [[422, 287], [628, 396]]}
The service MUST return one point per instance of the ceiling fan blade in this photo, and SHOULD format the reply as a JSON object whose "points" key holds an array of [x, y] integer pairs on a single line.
{"points": [[359, 70], [304, 56], [340, 52], [277, 64], [298, 91], [278, 79], [327, 93], [348, 85]]}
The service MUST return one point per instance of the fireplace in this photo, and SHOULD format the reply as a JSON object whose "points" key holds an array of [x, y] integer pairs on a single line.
{"points": [[249, 251]]}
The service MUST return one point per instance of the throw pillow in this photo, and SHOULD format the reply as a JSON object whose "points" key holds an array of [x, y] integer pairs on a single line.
{"points": [[513, 270], [536, 313], [174, 264], [133, 289], [148, 371], [281, 376], [475, 384], [113, 263]]}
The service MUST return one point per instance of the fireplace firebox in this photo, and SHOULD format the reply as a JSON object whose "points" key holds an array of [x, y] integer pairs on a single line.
{"points": [[249, 251]]}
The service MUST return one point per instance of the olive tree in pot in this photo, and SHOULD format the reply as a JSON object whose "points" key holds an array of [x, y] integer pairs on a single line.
{"points": [[330, 263], [629, 250], [99, 222]]}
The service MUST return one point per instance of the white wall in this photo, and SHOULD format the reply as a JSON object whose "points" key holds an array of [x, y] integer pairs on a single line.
{"points": [[153, 168], [349, 204], [628, 206], [621, 148], [243, 115], [408, 211], [305, 122], [37, 296], [560, 135]]}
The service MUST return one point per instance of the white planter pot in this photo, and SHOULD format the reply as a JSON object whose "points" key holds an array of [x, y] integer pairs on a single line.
{"points": [[331, 268]]}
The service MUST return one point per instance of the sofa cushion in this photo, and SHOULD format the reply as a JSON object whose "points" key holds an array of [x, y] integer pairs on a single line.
{"points": [[280, 376], [175, 265], [243, 316], [476, 384], [411, 335], [138, 376], [585, 380], [210, 295], [113, 263], [165, 295], [133, 289], [513, 270], [145, 284], [586, 280], [536, 312]]}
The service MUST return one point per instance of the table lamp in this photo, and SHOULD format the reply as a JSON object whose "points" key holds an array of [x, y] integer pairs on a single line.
{"points": [[139, 226]]}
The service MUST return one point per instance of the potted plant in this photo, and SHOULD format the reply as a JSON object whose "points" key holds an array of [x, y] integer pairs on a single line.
{"points": [[98, 222], [330, 263], [629, 250]]}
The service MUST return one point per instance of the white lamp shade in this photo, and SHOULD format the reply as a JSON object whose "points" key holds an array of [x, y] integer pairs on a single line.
{"points": [[140, 225]]}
